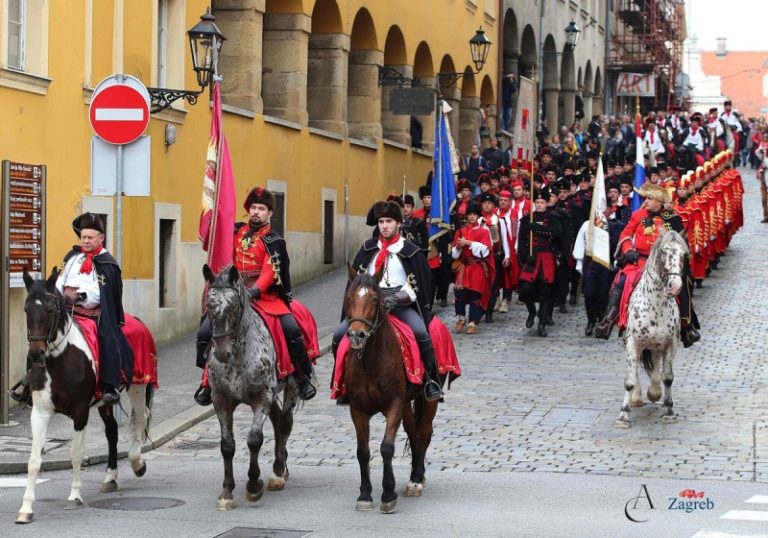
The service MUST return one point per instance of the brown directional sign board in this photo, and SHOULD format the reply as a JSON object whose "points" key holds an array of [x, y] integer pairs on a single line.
{"points": [[24, 219]]}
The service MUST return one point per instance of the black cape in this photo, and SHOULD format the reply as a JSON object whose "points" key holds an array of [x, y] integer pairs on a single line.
{"points": [[414, 264], [115, 353]]}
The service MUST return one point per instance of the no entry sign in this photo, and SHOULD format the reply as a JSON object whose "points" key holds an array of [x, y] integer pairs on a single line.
{"points": [[119, 111]]}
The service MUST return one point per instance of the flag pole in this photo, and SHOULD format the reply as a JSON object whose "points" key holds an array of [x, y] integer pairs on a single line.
{"points": [[533, 145], [404, 187]]}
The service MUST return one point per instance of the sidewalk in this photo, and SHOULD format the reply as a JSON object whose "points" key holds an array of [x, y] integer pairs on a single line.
{"points": [[173, 410]]}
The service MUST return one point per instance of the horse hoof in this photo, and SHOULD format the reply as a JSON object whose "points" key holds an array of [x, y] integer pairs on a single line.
{"points": [[364, 506], [413, 489], [653, 397], [253, 496], [109, 487], [623, 423], [142, 470], [276, 484], [637, 403], [24, 517], [668, 419], [225, 505], [73, 504], [286, 474], [388, 507]]}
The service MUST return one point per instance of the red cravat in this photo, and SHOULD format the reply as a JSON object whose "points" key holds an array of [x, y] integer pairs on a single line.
{"points": [[87, 266], [651, 137], [381, 257]]}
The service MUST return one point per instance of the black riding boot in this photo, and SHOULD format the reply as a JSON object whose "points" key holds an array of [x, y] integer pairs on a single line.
{"points": [[203, 393], [24, 395], [545, 314], [432, 390], [298, 352], [605, 326]]}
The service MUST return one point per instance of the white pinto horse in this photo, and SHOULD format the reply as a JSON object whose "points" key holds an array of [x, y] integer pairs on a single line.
{"points": [[63, 380], [653, 326]]}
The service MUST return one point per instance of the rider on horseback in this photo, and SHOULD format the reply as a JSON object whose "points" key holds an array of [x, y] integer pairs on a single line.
{"points": [[635, 244], [405, 284], [262, 260], [93, 287]]}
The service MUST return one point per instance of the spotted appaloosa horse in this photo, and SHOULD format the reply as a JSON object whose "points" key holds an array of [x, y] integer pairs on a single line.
{"points": [[242, 369], [653, 325], [63, 380], [376, 382]]}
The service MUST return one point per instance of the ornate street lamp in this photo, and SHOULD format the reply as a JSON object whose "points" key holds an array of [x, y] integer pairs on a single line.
{"points": [[572, 33], [205, 41], [479, 46]]}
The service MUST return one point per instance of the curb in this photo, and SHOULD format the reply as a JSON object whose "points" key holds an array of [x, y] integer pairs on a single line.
{"points": [[158, 435]]}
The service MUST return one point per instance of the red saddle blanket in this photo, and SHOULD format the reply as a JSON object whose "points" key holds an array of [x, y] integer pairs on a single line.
{"points": [[308, 327], [445, 354], [140, 340]]}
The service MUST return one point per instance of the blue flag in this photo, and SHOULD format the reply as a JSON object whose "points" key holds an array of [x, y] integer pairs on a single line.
{"points": [[443, 187], [639, 165]]}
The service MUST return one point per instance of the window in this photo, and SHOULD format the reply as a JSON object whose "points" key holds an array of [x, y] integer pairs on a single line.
{"points": [[16, 9], [162, 43], [166, 263], [328, 216], [278, 215]]}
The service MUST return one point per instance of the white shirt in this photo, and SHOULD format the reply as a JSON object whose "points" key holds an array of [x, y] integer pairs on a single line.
{"points": [[656, 146], [394, 273], [730, 119], [694, 139], [87, 283]]}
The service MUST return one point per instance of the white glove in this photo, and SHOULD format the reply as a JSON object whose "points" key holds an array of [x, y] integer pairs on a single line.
{"points": [[727, 222], [696, 249], [711, 237]]}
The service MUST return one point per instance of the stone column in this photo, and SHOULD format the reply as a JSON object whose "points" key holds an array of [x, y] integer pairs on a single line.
{"points": [[569, 106], [493, 120], [452, 96], [242, 21], [394, 126], [327, 82], [286, 38], [427, 122], [587, 98], [510, 66], [468, 123], [364, 95], [551, 96], [597, 104]]}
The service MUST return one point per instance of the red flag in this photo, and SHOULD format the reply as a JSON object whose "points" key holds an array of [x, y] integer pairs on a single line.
{"points": [[217, 220]]}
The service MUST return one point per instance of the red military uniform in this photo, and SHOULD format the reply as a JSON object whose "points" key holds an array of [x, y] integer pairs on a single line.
{"points": [[697, 237], [252, 259], [477, 271], [640, 234]]}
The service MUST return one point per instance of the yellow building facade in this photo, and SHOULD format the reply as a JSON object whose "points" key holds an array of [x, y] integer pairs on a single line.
{"points": [[304, 114]]}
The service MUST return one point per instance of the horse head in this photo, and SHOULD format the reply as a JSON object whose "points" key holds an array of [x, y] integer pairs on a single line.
{"points": [[45, 311], [225, 303], [685, 160], [667, 257], [364, 308]]}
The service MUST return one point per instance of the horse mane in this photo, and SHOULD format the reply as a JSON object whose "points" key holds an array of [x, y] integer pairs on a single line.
{"points": [[222, 280], [665, 238]]}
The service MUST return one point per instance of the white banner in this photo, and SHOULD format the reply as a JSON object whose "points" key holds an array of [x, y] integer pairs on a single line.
{"points": [[632, 84], [598, 240], [525, 120]]}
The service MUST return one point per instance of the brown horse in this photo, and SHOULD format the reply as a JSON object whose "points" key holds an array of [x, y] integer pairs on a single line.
{"points": [[63, 380], [376, 382]]}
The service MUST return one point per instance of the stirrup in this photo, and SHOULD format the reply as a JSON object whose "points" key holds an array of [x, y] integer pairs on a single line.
{"points": [[432, 390]]}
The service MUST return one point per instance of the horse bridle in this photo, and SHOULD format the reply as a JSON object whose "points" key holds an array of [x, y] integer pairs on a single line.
{"points": [[51, 336], [214, 334], [373, 326]]}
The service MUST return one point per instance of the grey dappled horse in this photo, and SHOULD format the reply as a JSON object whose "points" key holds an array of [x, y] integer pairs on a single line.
{"points": [[653, 325], [242, 369]]}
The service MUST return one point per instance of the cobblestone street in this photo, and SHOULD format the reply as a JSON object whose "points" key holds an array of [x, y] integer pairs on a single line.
{"points": [[526, 403]]}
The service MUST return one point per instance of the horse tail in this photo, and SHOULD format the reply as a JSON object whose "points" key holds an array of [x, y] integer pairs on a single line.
{"points": [[648, 361], [149, 398]]}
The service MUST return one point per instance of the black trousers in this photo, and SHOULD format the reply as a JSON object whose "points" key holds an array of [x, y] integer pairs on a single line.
{"points": [[596, 284], [531, 292], [407, 314], [471, 298]]}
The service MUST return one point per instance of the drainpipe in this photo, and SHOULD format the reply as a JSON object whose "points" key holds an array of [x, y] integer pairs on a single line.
{"points": [[607, 82], [499, 67], [540, 70]]}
